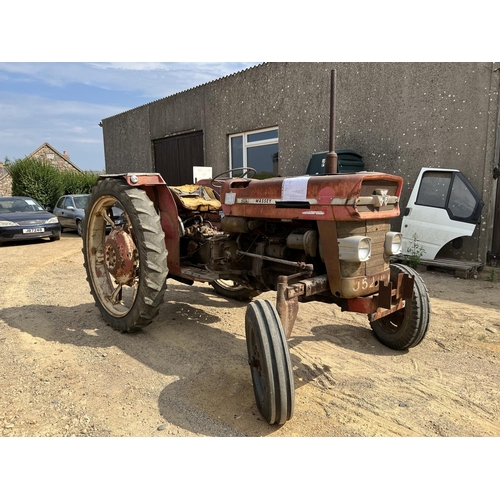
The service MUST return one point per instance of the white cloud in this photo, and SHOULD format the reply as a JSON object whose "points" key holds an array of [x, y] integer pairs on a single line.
{"points": [[29, 121], [69, 122], [153, 80]]}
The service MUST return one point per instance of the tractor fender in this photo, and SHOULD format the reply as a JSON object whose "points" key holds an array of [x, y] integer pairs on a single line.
{"points": [[138, 179], [163, 200]]}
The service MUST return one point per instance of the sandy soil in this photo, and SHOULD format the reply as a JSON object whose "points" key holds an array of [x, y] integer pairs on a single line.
{"points": [[64, 372]]}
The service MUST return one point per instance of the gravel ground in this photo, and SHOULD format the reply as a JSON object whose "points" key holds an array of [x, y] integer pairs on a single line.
{"points": [[64, 372]]}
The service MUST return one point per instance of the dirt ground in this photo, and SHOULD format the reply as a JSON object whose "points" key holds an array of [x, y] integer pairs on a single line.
{"points": [[64, 372]]}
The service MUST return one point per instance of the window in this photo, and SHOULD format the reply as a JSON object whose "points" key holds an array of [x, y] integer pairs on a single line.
{"points": [[452, 192], [257, 149], [434, 189]]}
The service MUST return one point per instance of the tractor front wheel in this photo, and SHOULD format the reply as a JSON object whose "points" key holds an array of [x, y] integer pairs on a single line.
{"points": [[406, 327], [127, 268], [270, 364]]}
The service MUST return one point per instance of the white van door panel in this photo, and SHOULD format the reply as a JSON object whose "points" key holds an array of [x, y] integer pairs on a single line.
{"points": [[443, 206]]}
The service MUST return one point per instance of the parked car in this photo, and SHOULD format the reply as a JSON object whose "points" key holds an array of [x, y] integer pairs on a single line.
{"points": [[70, 210], [23, 218]]}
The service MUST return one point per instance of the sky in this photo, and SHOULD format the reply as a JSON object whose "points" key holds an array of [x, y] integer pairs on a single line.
{"points": [[62, 103], [51, 91]]}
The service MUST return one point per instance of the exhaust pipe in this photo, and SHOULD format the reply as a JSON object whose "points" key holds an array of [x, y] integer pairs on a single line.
{"points": [[331, 157]]}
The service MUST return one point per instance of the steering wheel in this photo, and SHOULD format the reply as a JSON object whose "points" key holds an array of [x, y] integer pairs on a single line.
{"points": [[218, 180]]}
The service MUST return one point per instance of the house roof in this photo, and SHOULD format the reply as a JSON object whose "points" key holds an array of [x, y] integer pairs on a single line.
{"points": [[65, 158]]}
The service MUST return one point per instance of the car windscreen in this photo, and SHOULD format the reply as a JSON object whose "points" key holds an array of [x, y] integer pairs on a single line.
{"points": [[20, 205], [81, 201]]}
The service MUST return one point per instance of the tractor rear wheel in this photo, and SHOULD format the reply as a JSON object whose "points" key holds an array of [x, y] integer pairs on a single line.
{"points": [[270, 364], [407, 327], [127, 268], [232, 290]]}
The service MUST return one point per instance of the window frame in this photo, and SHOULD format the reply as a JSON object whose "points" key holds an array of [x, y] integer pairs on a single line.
{"points": [[246, 144]]}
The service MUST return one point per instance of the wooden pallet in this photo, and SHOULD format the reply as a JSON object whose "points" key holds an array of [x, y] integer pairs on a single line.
{"points": [[460, 268]]}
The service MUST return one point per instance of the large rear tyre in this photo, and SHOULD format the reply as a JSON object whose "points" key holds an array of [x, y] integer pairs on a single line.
{"points": [[126, 269], [232, 290], [270, 364], [407, 327]]}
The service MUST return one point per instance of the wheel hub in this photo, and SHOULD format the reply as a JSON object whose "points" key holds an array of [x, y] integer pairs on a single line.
{"points": [[121, 256]]}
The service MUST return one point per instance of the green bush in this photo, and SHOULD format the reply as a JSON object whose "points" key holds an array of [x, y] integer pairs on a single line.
{"points": [[77, 182], [44, 183], [37, 179]]}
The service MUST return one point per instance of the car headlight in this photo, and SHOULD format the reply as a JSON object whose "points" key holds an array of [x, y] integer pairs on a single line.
{"points": [[6, 223], [355, 248], [53, 220], [393, 243]]}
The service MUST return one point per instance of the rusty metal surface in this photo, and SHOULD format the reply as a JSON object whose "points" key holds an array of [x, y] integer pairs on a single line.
{"points": [[313, 286], [300, 265], [329, 197], [405, 286], [142, 179], [391, 298], [359, 286], [385, 295], [330, 254], [332, 157], [287, 307], [121, 256]]}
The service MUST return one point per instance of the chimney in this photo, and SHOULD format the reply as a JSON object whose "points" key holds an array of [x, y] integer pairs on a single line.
{"points": [[66, 154]]}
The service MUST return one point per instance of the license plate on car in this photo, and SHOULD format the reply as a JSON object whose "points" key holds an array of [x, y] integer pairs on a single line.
{"points": [[34, 230]]}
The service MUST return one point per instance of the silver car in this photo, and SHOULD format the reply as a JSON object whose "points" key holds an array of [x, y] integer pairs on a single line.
{"points": [[70, 210]]}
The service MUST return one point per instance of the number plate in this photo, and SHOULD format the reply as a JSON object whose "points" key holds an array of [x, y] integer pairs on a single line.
{"points": [[34, 230]]}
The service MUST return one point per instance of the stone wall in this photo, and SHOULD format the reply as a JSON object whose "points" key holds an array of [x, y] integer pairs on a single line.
{"points": [[46, 154], [5, 184]]}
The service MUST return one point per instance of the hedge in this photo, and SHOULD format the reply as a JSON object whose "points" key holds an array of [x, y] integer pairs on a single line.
{"points": [[44, 183]]}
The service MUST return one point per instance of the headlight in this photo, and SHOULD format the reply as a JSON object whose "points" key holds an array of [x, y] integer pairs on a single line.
{"points": [[355, 248], [6, 223], [53, 220], [393, 243]]}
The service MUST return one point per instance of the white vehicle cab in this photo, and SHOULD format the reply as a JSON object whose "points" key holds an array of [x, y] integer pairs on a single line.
{"points": [[443, 207]]}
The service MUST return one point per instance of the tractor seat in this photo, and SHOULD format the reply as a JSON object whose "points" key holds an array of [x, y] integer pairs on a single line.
{"points": [[195, 197]]}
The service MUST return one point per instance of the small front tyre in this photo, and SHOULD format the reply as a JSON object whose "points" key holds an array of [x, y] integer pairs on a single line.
{"points": [[406, 327], [270, 364]]}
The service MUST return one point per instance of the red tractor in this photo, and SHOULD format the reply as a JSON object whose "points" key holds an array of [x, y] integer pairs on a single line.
{"points": [[312, 238]]}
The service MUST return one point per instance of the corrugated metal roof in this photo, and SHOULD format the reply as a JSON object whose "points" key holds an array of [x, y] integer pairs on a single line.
{"points": [[231, 75]]}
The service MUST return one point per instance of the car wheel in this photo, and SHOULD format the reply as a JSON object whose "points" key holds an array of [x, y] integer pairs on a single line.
{"points": [[79, 228]]}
